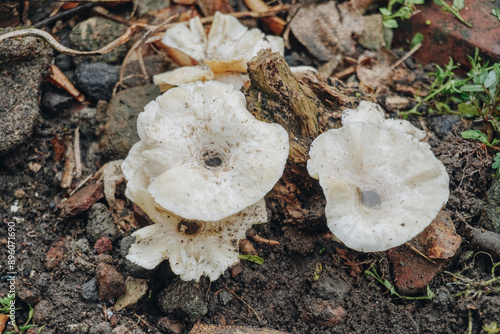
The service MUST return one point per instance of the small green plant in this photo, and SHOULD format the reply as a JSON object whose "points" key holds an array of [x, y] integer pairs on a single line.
{"points": [[474, 287], [5, 303], [252, 258], [496, 13], [372, 271], [491, 328], [398, 9], [417, 39], [317, 271], [455, 9]]}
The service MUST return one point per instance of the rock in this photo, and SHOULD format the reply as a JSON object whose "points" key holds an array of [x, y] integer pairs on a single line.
{"points": [[121, 120], [19, 193], [447, 37], [95, 33], [490, 219], [82, 245], [82, 200], [136, 289], [81, 328], [54, 255], [96, 81], [443, 298], [89, 291], [170, 326], [24, 63], [100, 223], [101, 328], [373, 35], [55, 101], [225, 297], [43, 312], [184, 300], [133, 269], [147, 6], [122, 329], [325, 313], [332, 289], [28, 294], [63, 62], [154, 65], [110, 282], [217, 329], [441, 124], [103, 245]]}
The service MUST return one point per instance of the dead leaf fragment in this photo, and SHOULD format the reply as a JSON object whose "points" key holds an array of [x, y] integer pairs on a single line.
{"points": [[216, 329], [136, 289], [327, 29], [3, 321]]}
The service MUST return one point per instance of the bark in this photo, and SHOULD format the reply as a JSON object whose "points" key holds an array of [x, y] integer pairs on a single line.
{"points": [[306, 105]]}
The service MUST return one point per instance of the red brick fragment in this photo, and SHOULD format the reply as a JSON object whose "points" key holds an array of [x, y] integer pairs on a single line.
{"points": [[103, 246], [82, 200]]}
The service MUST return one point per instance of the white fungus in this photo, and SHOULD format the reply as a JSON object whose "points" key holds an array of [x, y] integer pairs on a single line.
{"points": [[225, 52], [382, 185], [194, 248], [202, 158]]}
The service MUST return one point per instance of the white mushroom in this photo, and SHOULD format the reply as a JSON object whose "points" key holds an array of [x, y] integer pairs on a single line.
{"points": [[226, 51], [382, 185], [228, 47], [202, 155], [372, 113], [194, 248]]}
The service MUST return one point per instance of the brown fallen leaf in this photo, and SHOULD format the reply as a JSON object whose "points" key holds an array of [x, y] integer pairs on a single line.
{"points": [[3, 321], [216, 329], [327, 29], [209, 7]]}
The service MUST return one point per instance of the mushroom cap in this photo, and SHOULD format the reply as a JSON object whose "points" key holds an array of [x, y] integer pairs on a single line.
{"points": [[202, 155], [372, 113], [382, 187], [182, 75], [229, 46], [194, 248]]}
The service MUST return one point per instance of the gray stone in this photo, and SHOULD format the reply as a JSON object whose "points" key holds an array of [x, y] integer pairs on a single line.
{"points": [[133, 269], [97, 80], [56, 100], [81, 328], [225, 297], [332, 289], [121, 120], [24, 63], [101, 328], [146, 6], [89, 291], [100, 223], [63, 62], [95, 33], [441, 124], [490, 219], [184, 300]]}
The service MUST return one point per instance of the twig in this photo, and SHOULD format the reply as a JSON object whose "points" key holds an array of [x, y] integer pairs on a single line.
{"points": [[252, 234], [62, 49], [244, 302], [420, 253], [58, 78], [400, 61], [78, 159], [64, 14]]}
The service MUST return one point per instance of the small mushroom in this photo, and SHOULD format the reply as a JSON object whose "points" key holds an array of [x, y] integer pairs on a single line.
{"points": [[200, 171], [228, 47], [382, 185], [194, 248], [202, 155], [224, 52]]}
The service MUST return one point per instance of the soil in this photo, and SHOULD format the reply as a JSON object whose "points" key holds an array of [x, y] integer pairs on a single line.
{"points": [[287, 292]]}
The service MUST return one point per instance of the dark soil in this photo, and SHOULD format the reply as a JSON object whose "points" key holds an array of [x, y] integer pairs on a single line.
{"points": [[283, 293]]}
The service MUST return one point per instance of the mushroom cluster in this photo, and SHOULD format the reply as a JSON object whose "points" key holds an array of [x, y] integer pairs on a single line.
{"points": [[222, 55], [383, 186], [200, 171]]}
